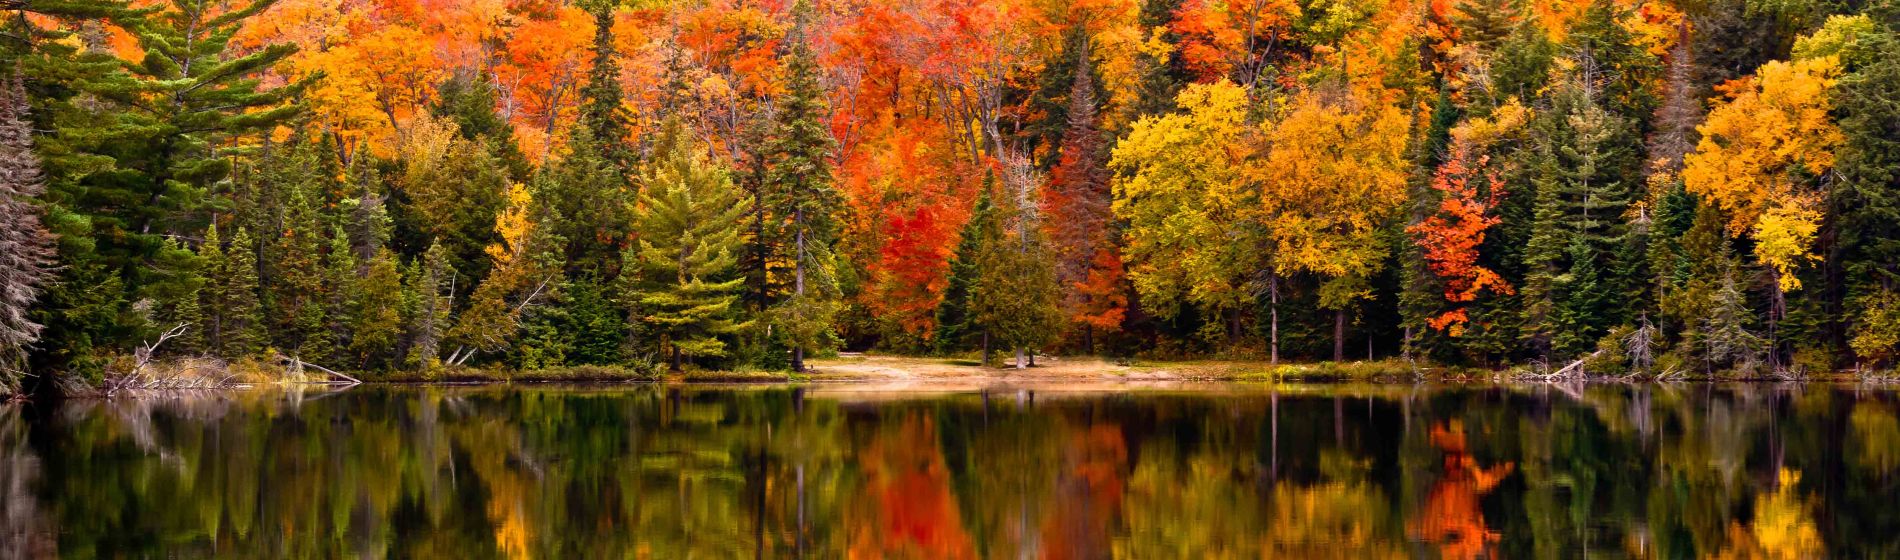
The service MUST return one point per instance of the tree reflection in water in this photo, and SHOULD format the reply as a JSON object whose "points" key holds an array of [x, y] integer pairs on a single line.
{"points": [[1234, 471]]}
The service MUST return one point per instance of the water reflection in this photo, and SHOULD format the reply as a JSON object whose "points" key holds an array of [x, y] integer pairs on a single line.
{"points": [[1306, 472]]}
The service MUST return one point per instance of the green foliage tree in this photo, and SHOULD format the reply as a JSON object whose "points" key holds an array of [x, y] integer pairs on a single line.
{"points": [[135, 147], [954, 328], [684, 288], [803, 205], [26, 248], [430, 293], [376, 311], [233, 312], [1014, 299]]}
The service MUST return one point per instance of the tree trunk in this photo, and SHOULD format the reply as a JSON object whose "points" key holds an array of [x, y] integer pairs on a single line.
{"points": [[1088, 339], [1020, 364], [676, 357], [987, 352], [1273, 329], [1032, 357], [798, 281], [1339, 335]]}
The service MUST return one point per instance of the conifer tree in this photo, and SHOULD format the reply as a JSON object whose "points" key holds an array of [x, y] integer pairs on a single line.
{"points": [[603, 111], [589, 202], [340, 290], [431, 288], [801, 199], [233, 297], [294, 292], [685, 289], [954, 329], [527, 271], [26, 248], [1868, 200], [468, 100], [134, 148], [376, 310], [1582, 162], [1015, 299]]}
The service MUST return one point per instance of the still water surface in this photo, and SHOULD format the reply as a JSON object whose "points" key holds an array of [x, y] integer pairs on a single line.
{"points": [[1298, 472]]}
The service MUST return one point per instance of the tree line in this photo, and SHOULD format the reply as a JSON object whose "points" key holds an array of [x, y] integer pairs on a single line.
{"points": [[1662, 185]]}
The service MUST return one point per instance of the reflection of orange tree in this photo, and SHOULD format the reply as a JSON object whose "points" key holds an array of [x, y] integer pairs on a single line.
{"points": [[1088, 494], [1452, 516], [906, 509]]}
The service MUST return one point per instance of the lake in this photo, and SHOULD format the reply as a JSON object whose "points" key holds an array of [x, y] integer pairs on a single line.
{"points": [[830, 471]]}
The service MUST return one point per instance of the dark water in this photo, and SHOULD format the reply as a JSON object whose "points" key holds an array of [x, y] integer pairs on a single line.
{"points": [[1304, 472]]}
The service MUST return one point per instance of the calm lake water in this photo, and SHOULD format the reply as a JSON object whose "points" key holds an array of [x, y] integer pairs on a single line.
{"points": [[828, 472]]}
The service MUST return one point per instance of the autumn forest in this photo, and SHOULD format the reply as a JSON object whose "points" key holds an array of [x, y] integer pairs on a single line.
{"points": [[1655, 187]]}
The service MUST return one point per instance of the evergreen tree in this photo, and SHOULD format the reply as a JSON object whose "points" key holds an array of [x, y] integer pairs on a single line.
{"points": [[685, 290], [26, 248], [294, 294], [603, 110], [376, 311], [1162, 74], [1867, 199], [134, 149], [469, 102], [589, 203], [801, 200], [340, 292], [1724, 333], [1582, 165], [594, 328], [1484, 24], [431, 289], [954, 329], [1015, 300], [174, 303], [232, 304], [527, 272]]}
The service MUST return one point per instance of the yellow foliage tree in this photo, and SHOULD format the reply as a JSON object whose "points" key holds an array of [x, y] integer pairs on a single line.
{"points": [[1760, 157], [1181, 184], [1334, 174]]}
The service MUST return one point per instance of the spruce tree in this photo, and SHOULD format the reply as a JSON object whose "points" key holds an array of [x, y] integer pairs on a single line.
{"points": [[803, 204], [685, 288], [340, 285], [1867, 198], [603, 110], [240, 312], [1583, 166], [954, 329], [26, 248], [468, 100], [294, 287], [431, 289], [589, 201], [376, 311]]}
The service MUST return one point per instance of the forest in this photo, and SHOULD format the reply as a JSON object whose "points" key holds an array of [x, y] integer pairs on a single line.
{"points": [[1661, 186]]}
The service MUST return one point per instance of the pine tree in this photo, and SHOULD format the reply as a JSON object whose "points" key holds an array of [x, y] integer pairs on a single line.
{"points": [[26, 248], [1485, 24], [685, 288], [134, 150], [801, 199]]}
